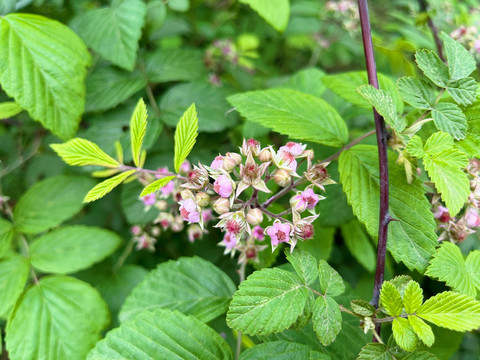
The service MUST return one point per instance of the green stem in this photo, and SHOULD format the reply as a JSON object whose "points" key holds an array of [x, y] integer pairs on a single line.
{"points": [[126, 252]]}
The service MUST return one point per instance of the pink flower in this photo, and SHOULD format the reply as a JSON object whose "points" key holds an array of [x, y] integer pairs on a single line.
{"points": [[476, 46], [279, 233], [207, 215], [194, 232], [135, 230], [223, 186], [293, 148], [161, 171], [189, 212], [168, 189], [472, 217], [442, 214], [149, 200], [304, 200], [258, 233], [185, 167], [230, 241], [217, 163]]}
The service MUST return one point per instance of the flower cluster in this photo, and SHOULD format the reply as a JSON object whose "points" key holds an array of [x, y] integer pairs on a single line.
{"points": [[345, 11], [469, 37]]}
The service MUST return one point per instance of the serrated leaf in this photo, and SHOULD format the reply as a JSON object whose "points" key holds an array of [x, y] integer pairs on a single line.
{"points": [[460, 62], [185, 135], [463, 91], [438, 142], [114, 31], [50, 88], [401, 282], [269, 301], [50, 202], [384, 105], [390, 299], [451, 310], [281, 350], [59, 310], [103, 188], [283, 109], [412, 238], [449, 118], [14, 272], [413, 297], [138, 127], [359, 244], [432, 67], [327, 319], [471, 143], [404, 335], [308, 81], [72, 248], [275, 13], [9, 109], [191, 285], [82, 152], [6, 236], [415, 146], [472, 266], [362, 307], [375, 351], [156, 185], [162, 334], [420, 355], [331, 283], [305, 265], [416, 92], [423, 330]]}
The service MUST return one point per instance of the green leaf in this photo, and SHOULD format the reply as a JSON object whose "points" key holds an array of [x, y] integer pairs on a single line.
{"points": [[404, 335], [179, 5], [59, 318], [275, 13], [162, 334], [327, 319], [6, 236], [384, 105], [413, 297], [9, 109], [362, 307], [113, 32], [281, 350], [432, 67], [449, 118], [138, 127], [472, 266], [308, 81], [416, 92], [185, 135], [346, 84], [376, 351], [14, 272], [103, 188], [390, 299], [107, 87], [420, 355], [305, 265], [412, 238], [269, 301], [415, 146], [331, 283], [284, 109], [156, 185], [463, 91], [50, 202], [451, 310], [49, 85], [401, 282], [423, 331], [72, 248], [471, 143], [82, 152], [191, 285], [174, 65], [460, 62], [359, 244]]}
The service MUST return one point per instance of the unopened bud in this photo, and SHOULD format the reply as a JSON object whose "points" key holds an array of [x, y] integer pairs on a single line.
{"points": [[282, 177], [161, 205], [254, 216], [221, 206], [229, 163], [265, 155], [194, 232], [235, 156], [202, 199], [250, 146], [298, 203], [186, 194], [155, 231]]}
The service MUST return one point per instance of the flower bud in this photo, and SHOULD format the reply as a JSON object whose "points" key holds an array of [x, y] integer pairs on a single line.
{"points": [[155, 231], [164, 219], [186, 194], [298, 203], [161, 205], [135, 230], [265, 155], [194, 232], [202, 199], [250, 146], [472, 217], [229, 163], [236, 157], [254, 216], [221, 206], [282, 177]]}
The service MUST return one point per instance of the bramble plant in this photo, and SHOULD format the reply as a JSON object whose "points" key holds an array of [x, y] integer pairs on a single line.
{"points": [[141, 275]]}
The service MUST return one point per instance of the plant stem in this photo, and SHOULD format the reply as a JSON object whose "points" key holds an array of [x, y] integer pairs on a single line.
{"points": [[433, 28], [381, 132], [283, 192], [348, 146], [127, 251], [241, 274]]}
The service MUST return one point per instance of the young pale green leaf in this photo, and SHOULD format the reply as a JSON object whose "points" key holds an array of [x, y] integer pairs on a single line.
{"points": [[404, 335], [472, 266], [156, 185], [438, 142], [305, 265], [460, 62], [269, 301], [162, 334], [114, 31], [138, 127], [327, 319], [415, 146], [359, 244], [433, 67], [331, 283], [82, 152], [384, 105], [452, 310], [6, 236], [72, 248], [185, 135], [390, 299], [401, 282], [103, 188], [284, 109], [416, 92], [362, 307], [58, 310], [449, 118], [44, 84], [471, 143], [50, 202], [9, 109], [412, 238], [463, 91], [14, 272], [275, 13], [281, 350], [376, 351], [191, 285], [413, 297], [423, 330]]}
